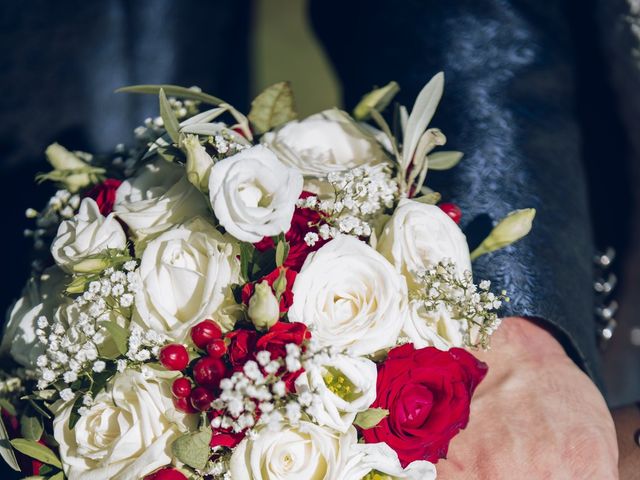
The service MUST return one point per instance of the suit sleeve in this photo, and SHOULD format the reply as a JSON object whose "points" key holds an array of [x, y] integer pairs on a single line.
{"points": [[509, 106]]}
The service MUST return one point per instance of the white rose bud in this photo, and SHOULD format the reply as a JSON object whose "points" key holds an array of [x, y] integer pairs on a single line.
{"points": [[419, 235], [264, 308], [86, 234], [253, 194], [40, 297], [157, 198], [126, 433], [283, 451], [351, 296], [199, 163], [327, 142]]}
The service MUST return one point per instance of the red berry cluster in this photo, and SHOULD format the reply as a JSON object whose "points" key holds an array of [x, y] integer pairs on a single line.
{"points": [[206, 371]]}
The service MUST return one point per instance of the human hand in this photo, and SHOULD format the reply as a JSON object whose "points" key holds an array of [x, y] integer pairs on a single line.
{"points": [[535, 416]]}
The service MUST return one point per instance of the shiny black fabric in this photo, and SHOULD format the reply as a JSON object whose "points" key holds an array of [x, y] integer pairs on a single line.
{"points": [[509, 104]]}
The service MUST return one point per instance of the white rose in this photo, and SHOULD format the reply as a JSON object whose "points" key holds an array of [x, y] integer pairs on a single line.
{"points": [[308, 452], [419, 235], [40, 297], [185, 276], [87, 233], [127, 432], [432, 328], [157, 198], [253, 194], [323, 143], [350, 296], [380, 458], [345, 386]]}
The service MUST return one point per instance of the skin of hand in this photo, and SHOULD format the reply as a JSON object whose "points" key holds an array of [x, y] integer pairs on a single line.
{"points": [[535, 416], [627, 422]]}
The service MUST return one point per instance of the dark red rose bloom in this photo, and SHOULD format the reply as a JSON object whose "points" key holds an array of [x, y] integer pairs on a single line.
{"points": [[279, 335], [242, 347], [286, 299], [301, 223], [224, 437], [427, 393], [105, 194]]}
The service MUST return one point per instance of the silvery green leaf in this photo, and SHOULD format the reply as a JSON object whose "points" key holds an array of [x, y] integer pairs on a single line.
{"points": [[8, 406], [208, 129], [193, 449], [282, 250], [171, 124], [7, 453], [203, 117], [118, 334], [377, 99], [31, 427], [273, 107], [370, 417], [444, 160], [421, 115], [173, 91], [35, 450]]}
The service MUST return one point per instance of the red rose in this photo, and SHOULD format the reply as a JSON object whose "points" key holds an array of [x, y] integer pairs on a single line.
{"points": [[242, 347], [279, 335], [427, 393], [304, 221], [224, 437], [105, 194], [286, 299]]}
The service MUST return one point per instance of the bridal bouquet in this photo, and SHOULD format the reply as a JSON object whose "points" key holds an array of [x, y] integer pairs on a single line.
{"points": [[255, 298]]}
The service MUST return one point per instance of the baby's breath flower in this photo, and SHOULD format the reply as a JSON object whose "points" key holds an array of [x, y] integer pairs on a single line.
{"points": [[474, 306]]}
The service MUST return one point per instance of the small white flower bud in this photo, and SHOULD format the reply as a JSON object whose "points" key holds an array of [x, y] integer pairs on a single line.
{"points": [[264, 309], [199, 163]]}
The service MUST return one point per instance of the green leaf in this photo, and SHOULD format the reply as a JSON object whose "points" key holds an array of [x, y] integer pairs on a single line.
{"points": [[246, 256], [282, 250], [377, 99], [119, 335], [275, 106], [35, 450], [75, 416], [57, 476], [444, 160], [8, 406], [173, 91], [171, 124], [193, 449], [39, 409], [510, 229], [430, 198], [31, 427], [6, 452], [420, 116], [280, 285], [47, 470], [370, 417]]}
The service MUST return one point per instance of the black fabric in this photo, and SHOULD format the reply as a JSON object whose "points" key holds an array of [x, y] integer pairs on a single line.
{"points": [[510, 106], [60, 62]]}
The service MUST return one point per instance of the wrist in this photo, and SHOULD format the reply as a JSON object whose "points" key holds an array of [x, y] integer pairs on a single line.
{"points": [[528, 339]]}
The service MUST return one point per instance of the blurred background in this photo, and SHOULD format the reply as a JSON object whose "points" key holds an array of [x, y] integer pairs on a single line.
{"points": [[50, 95]]}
